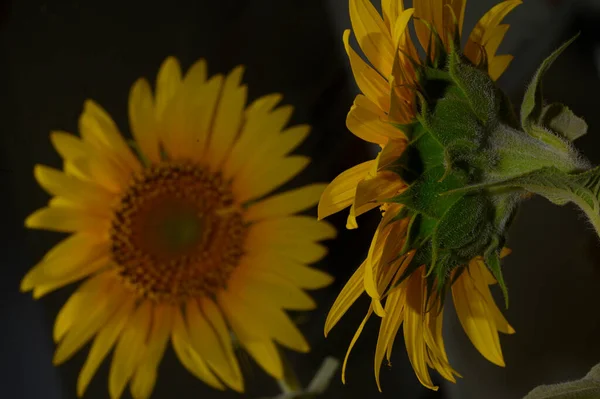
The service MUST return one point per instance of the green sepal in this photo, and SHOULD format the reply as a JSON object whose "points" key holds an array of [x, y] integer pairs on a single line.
{"points": [[477, 87], [492, 261], [423, 196]]}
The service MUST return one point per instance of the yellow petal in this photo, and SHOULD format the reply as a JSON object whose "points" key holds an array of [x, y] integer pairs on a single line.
{"points": [[413, 329], [339, 194], [68, 220], [77, 250], [78, 191], [289, 228], [479, 275], [48, 284], [390, 10], [477, 322], [188, 356], [168, 81], [496, 37], [349, 294], [270, 289], [370, 83], [265, 353], [97, 312], [188, 117], [354, 339], [75, 305], [269, 177], [215, 317], [144, 376], [142, 119], [97, 128], [210, 346], [276, 323], [250, 133], [228, 118], [287, 203], [394, 307], [298, 274], [254, 337], [424, 11], [486, 26], [86, 163], [383, 186], [103, 343], [499, 65], [270, 126], [368, 122], [372, 35], [130, 349]]}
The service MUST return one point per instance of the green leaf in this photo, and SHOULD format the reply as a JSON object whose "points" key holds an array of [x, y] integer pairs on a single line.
{"points": [[533, 102], [586, 388], [561, 120]]}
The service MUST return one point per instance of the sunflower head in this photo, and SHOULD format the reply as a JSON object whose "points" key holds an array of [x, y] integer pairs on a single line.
{"points": [[177, 237], [455, 161]]}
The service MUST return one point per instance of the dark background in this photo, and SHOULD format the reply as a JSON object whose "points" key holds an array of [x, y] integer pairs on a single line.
{"points": [[55, 54]]}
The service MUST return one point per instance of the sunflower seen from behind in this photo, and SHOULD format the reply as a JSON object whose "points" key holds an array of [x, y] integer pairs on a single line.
{"points": [[180, 242], [417, 105]]}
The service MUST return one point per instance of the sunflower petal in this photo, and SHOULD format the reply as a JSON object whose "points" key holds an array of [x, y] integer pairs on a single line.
{"points": [[228, 118], [413, 330], [478, 324], [270, 289], [67, 220], [142, 119], [103, 343], [188, 356], [339, 194], [168, 81], [253, 336], [349, 294], [287, 203], [372, 35], [144, 376], [84, 193], [97, 312], [209, 345], [270, 177], [130, 349], [354, 339], [394, 307], [366, 121], [370, 83]]}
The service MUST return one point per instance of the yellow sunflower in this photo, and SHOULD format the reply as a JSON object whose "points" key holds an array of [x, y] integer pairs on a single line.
{"points": [[400, 285], [178, 242]]}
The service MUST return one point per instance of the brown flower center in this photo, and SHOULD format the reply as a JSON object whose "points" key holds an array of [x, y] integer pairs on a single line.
{"points": [[177, 233]]}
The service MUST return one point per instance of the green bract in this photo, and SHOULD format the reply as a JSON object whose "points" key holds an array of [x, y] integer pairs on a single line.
{"points": [[470, 162]]}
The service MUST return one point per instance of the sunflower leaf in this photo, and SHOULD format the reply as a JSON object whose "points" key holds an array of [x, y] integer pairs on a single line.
{"points": [[533, 101], [586, 388], [561, 120]]}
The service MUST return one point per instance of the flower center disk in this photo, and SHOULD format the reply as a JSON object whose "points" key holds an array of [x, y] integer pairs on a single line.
{"points": [[176, 233]]}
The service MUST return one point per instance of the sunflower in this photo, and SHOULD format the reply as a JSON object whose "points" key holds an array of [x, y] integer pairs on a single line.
{"points": [[178, 241], [404, 277]]}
